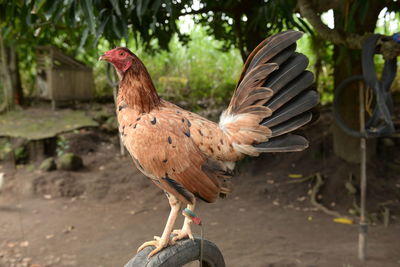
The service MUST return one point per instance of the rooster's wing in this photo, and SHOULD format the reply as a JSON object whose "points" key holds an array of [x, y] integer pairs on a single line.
{"points": [[161, 145]]}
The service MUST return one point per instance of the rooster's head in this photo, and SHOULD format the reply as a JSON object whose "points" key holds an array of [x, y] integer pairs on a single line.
{"points": [[122, 58]]}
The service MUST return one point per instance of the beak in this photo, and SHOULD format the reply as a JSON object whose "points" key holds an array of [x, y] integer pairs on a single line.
{"points": [[104, 57]]}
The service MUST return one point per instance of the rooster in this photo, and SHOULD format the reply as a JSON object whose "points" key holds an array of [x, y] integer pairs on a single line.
{"points": [[190, 157]]}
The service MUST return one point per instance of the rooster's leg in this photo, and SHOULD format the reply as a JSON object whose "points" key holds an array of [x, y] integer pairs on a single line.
{"points": [[186, 231], [164, 240]]}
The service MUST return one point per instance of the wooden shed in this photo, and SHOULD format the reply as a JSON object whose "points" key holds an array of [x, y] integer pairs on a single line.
{"points": [[61, 77]]}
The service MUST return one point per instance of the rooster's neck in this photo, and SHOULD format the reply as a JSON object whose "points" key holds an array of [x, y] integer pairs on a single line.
{"points": [[137, 89]]}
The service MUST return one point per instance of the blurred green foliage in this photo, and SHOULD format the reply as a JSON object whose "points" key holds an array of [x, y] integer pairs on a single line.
{"points": [[5, 148], [82, 28], [21, 154], [205, 68], [195, 67], [62, 145], [192, 73]]}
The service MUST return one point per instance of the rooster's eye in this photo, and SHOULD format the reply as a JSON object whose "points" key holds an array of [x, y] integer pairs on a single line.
{"points": [[121, 54]]}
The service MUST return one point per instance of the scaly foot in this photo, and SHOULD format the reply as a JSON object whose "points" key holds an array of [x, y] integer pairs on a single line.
{"points": [[186, 231], [183, 233], [158, 242]]}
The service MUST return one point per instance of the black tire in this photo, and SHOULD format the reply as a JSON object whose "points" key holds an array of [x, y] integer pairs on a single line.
{"points": [[185, 251], [336, 111]]}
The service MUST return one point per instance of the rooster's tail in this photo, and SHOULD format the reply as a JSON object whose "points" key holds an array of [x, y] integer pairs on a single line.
{"points": [[272, 99]]}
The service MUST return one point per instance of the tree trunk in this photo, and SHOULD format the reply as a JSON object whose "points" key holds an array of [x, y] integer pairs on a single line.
{"points": [[15, 75], [6, 86], [10, 77], [348, 63]]}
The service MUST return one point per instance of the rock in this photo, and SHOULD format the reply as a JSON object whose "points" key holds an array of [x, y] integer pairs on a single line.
{"points": [[70, 162], [48, 165]]}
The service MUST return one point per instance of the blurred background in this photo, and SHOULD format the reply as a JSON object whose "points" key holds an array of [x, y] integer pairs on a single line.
{"points": [[69, 193]]}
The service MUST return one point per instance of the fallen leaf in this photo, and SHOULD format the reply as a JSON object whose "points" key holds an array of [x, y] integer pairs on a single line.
{"points": [[343, 220], [68, 229]]}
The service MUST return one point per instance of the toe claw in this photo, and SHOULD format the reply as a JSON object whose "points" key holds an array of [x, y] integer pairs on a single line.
{"points": [[158, 243], [155, 251], [182, 234], [146, 244]]}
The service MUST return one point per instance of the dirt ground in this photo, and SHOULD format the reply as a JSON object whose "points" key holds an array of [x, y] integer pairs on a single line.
{"points": [[100, 215]]}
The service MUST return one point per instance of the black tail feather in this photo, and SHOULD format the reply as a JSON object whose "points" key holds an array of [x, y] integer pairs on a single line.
{"points": [[275, 78], [289, 70], [300, 83], [284, 55], [286, 143], [278, 43], [291, 125], [302, 103]]}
